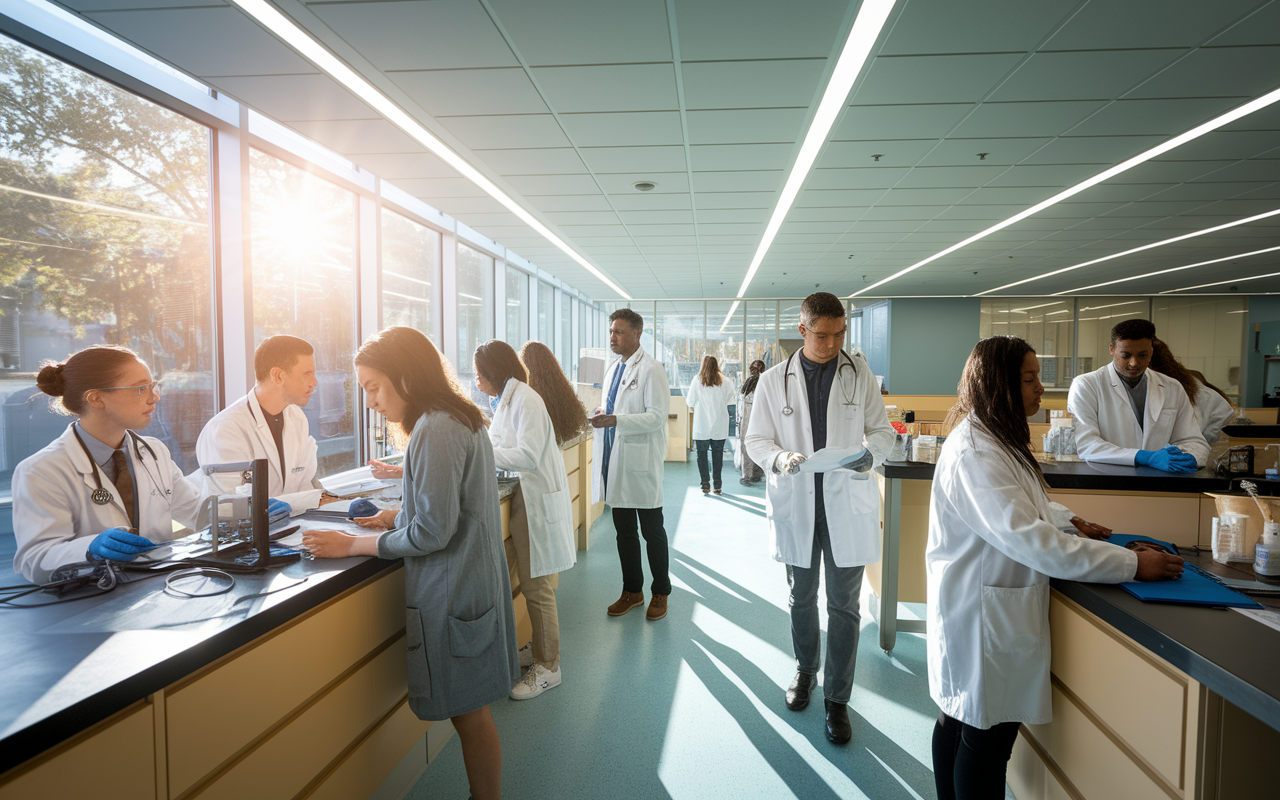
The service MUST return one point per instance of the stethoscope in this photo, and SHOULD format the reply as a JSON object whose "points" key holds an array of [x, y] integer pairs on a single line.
{"points": [[100, 496], [787, 410]]}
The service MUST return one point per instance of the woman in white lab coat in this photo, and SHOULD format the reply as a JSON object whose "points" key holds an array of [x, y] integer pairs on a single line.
{"points": [[709, 396], [99, 491], [541, 509], [1213, 409], [995, 539]]}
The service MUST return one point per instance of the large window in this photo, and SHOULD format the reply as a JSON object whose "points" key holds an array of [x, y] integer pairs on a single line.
{"points": [[475, 313], [568, 359], [546, 315], [680, 344], [725, 338], [104, 238], [410, 274], [1047, 325], [1205, 334], [517, 307], [303, 233], [762, 332]]}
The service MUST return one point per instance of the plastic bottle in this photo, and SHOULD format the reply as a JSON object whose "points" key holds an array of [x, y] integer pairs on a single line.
{"points": [[1266, 554]]}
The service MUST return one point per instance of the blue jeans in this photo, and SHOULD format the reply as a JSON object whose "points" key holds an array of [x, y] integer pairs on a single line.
{"points": [[717, 459]]}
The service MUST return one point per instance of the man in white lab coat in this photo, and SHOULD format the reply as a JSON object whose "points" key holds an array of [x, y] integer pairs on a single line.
{"points": [[269, 423], [630, 444], [1128, 414], [822, 397]]}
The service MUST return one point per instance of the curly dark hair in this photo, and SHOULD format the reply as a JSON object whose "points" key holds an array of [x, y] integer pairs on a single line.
{"points": [[568, 417]]}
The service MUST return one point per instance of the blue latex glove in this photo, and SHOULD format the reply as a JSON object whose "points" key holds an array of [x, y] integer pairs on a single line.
{"points": [[1169, 459], [117, 544], [278, 509], [361, 508]]}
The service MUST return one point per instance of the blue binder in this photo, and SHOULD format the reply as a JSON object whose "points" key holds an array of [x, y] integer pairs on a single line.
{"points": [[1195, 587]]}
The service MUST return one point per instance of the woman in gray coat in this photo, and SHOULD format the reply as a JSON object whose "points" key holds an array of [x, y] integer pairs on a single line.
{"points": [[460, 626]]}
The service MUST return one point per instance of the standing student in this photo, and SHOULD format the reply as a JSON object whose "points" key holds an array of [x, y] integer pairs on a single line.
{"points": [[995, 539], [822, 397], [268, 423], [1213, 409], [751, 472], [541, 509], [628, 449], [709, 396], [461, 628], [99, 491], [1127, 414]]}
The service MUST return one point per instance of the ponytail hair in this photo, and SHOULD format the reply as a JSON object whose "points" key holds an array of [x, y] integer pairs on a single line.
{"points": [[96, 367]]}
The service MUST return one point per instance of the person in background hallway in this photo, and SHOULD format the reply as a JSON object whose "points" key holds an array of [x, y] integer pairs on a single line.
{"points": [[995, 539], [1127, 414], [628, 448], [751, 472], [709, 396], [822, 397], [461, 631], [1212, 407], [99, 491], [541, 508]]}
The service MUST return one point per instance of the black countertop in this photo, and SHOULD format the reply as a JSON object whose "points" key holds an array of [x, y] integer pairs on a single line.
{"points": [[1095, 477]]}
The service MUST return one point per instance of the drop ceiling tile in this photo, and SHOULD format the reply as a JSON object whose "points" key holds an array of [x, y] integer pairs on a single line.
{"points": [[965, 152], [835, 227], [714, 157], [1153, 117], [582, 217], [736, 29], [950, 177], [1092, 75], [656, 217], [1253, 170], [478, 220], [851, 155], [291, 97], [1228, 144], [886, 211], [205, 41], [923, 197], [1216, 72], [727, 200], [420, 34], [752, 84], [933, 79], [635, 201], [1056, 176], [471, 92], [115, 5], [441, 188], [874, 123], [505, 132], [586, 31], [836, 214], [653, 250], [553, 184], [1027, 119], [745, 181], [747, 126], [1259, 28], [577, 232], [1152, 208], [461, 205], [860, 178], [741, 238], [609, 87], [714, 215], [729, 228], [570, 202], [728, 249], [661, 230], [986, 212], [357, 136], [534, 161], [624, 129], [405, 165], [611, 250], [1134, 23], [647, 242], [634, 159], [1101, 150], [838, 198], [624, 182], [1161, 171], [607, 241]]}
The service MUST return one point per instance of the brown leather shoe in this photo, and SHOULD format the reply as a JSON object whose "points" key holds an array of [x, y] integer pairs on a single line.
{"points": [[657, 608], [628, 601]]}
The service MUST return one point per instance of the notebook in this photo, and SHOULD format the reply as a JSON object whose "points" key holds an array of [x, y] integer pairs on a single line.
{"points": [[1195, 587]]}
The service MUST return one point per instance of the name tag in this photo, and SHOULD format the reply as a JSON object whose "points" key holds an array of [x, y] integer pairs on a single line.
{"points": [[297, 469]]}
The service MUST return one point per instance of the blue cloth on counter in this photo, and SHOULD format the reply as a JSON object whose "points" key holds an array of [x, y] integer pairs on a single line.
{"points": [[361, 508], [1195, 587]]}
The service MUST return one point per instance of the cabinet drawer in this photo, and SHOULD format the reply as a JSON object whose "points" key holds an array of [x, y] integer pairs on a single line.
{"points": [[118, 760], [364, 770], [572, 458]]}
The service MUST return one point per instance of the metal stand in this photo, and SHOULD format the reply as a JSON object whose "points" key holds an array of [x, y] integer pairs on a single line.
{"points": [[887, 614], [257, 472]]}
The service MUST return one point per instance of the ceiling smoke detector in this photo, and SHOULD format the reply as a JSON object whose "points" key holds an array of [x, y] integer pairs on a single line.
{"points": [[645, 186]]}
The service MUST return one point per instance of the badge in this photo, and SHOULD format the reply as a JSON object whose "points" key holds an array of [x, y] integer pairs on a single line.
{"points": [[100, 496]]}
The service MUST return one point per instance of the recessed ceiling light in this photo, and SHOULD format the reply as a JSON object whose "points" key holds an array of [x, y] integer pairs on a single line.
{"points": [[645, 186]]}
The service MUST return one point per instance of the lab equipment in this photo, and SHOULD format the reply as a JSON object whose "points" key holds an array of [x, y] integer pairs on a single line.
{"points": [[1229, 538], [258, 477], [118, 544], [848, 400], [100, 496], [1266, 554], [1240, 460]]}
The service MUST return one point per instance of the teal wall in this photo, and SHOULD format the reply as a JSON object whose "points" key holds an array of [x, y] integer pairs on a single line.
{"points": [[929, 341]]}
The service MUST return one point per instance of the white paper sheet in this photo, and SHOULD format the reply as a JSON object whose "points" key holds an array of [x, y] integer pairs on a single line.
{"points": [[831, 458]]}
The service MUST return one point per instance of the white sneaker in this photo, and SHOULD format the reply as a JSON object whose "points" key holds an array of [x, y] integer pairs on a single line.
{"points": [[536, 681], [526, 655]]}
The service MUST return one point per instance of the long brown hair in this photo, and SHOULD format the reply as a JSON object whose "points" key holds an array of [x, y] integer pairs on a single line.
{"points": [[497, 362], [990, 394], [568, 417], [1166, 363], [710, 375], [97, 367], [422, 378]]}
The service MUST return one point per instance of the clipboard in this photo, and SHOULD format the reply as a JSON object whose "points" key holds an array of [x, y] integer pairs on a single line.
{"points": [[1196, 587]]}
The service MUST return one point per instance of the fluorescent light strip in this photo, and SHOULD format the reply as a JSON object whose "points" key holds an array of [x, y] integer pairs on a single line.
{"points": [[862, 37], [1159, 150], [1173, 269], [1130, 252], [297, 38], [1219, 283]]}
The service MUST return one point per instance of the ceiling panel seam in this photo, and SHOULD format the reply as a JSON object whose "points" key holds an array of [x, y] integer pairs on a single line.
{"points": [[673, 32]]}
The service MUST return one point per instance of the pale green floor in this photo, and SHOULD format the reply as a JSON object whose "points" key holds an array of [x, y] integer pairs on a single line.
{"points": [[692, 706]]}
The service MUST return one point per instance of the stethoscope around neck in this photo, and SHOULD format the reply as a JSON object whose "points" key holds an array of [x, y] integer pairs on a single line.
{"points": [[100, 496], [849, 400]]}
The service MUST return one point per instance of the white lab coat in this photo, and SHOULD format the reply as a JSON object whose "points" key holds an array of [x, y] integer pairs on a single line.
{"points": [[1107, 430], [240, 433], [853, 506], [995, 539], [524, 441], [640, 440], [1213, 412], [54, 519], [710, 406]]}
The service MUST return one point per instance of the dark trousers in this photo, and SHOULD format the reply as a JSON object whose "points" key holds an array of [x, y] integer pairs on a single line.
{"points": [[655, 539], [717, 459], [971, 763]]}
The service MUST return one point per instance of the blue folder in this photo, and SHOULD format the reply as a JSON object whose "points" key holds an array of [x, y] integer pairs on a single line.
{"points": [[1195, 587]]}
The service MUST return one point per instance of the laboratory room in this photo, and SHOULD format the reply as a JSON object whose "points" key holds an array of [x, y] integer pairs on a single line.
{"points": [[661, 399]]}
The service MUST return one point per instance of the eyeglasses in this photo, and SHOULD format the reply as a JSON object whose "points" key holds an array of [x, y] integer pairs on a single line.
{"points": [[154, 388]]}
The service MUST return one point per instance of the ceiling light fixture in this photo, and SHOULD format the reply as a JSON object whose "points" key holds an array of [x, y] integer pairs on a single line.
{"points": [[1219, 283], [853, 57], [1173, 269], [300, 40], [1160, 149]]}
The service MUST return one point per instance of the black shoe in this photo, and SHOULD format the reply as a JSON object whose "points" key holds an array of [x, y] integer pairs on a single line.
{"points": [[716, 491], [838, 728], [706, 489], [800, 689]]}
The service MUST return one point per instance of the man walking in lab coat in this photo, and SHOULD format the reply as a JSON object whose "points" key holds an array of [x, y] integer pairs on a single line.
{"points": [[821, 397], [269, 423], [1128, 414], [630, 444]]}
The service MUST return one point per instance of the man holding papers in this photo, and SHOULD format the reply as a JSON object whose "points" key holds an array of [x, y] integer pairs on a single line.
{"points": [[822, 397]]}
